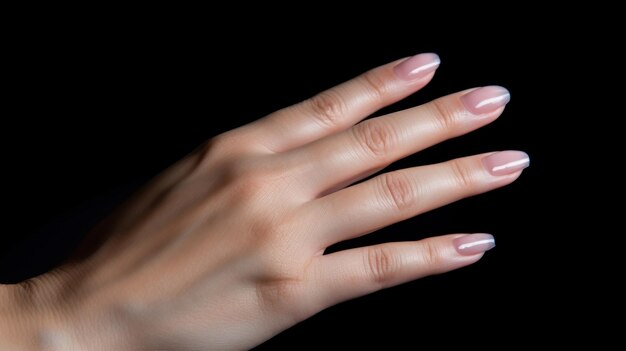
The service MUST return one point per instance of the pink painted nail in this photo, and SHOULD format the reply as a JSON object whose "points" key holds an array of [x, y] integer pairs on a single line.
{"points": [[485, 99], [506, 162], [417, 67], [473, 244]]}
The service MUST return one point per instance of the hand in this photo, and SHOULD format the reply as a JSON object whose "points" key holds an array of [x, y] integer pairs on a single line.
{"points": [[225, 249]]}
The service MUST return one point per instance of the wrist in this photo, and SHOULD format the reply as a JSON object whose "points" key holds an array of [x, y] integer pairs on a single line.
{"points": [[50, 313], [21, 319], [14, 335]]}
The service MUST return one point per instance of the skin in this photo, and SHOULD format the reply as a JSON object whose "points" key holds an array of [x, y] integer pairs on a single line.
{"points": [[225, 248]]}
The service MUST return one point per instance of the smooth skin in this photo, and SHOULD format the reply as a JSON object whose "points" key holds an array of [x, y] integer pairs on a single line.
{"points": [[225, 249]]}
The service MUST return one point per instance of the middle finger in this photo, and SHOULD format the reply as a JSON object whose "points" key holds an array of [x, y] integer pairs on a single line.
{"points": [[375, 143]]}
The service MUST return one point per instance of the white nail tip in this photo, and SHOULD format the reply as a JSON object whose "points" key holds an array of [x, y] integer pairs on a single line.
{"points": [[478, 242], [517, 163], [494, 100]]}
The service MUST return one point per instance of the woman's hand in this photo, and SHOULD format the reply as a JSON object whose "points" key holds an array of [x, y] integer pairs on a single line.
{"points": [[225, 249]]}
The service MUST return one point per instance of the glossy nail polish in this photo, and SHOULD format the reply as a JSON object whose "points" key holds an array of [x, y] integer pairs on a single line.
{"points": [[506, 162], [485, 99], [417, 67], [473, 244]]}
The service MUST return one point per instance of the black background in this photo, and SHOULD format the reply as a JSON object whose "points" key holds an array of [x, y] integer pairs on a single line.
{"points": [[96, 111]]}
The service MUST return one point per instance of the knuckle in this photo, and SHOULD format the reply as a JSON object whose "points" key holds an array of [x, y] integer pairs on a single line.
{"points": [[461, 174], [328, 107], [237, 170], [244, 179], [397, 191], [381, 265], [429, 254], [274, 235], [217, 145], [255, 181], [278, 295], [375, 85], [230, 142], [264, 232], [280, 285], [444, 115], [376, 137]]}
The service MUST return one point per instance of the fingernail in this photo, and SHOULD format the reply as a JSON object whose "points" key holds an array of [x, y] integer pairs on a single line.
{"points": [[473, 244], [417, 67], [506, 162], [486, 99]]}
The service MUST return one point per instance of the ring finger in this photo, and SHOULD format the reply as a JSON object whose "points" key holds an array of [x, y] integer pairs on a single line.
{"points": [[395, 196]]}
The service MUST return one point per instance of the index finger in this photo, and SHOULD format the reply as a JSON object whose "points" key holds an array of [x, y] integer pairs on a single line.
{"points": [[343, 106]]}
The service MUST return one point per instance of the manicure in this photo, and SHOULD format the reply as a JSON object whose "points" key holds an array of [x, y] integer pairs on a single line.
{"points": [[417, 67], [473, 244], [506, 162], [485, 99]]}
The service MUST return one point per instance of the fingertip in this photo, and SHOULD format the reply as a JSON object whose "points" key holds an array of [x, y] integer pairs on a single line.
{"points": [[486, 99], [418, 67], [474, 244], [504, 163]]}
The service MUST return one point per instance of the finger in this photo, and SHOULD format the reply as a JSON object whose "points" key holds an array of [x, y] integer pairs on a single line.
{"points": [[395, 196], [375, 143], [344, 105], [348, 274]]}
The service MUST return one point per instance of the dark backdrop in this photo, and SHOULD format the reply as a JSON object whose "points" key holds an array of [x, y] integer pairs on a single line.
{"points": [[96, 112]]}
